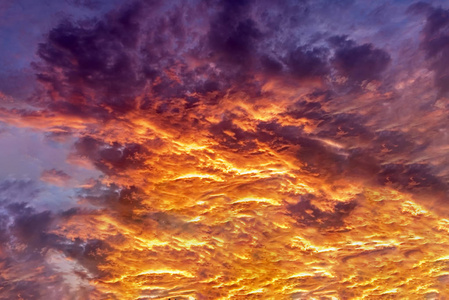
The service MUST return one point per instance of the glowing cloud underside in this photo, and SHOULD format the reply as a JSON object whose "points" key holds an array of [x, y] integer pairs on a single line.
{"points": [[230, 150]]}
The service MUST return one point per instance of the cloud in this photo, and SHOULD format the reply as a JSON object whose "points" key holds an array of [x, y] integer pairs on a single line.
{"points": [[53, 176], [304, 63], [28, 246], [308, 214], [358, 62], [235, 42], [436, 46], [111, 158], [96, 63], [12, 190], [245, 147]]}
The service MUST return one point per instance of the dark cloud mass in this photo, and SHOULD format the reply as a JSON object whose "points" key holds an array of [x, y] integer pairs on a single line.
{"points": [[359, 62], [308, 214], [436, 45], [95, 61], [308, 63], [227, 150]]}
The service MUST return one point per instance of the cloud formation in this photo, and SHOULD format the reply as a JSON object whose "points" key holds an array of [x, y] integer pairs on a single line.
{"points": [[246, 149]]}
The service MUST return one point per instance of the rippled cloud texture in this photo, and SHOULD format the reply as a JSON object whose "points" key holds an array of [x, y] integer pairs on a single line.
{"points": [[224, 150]]}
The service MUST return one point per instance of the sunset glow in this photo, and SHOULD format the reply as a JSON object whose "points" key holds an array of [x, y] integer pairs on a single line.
{"points": [[224, 149]]}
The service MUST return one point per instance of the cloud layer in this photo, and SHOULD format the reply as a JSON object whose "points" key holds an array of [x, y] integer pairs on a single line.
{"points": [[245, 149]]}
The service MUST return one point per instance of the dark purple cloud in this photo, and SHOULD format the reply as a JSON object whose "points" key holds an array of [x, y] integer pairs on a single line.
{"points": [[436, 45], [358, 62], [308, 214]]}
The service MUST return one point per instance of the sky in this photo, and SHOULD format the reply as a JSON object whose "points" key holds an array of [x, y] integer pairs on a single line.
{"points": [[212, 149]]}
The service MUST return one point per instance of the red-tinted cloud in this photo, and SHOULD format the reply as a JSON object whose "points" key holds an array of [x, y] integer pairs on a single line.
{"points": [[246, 149]]}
